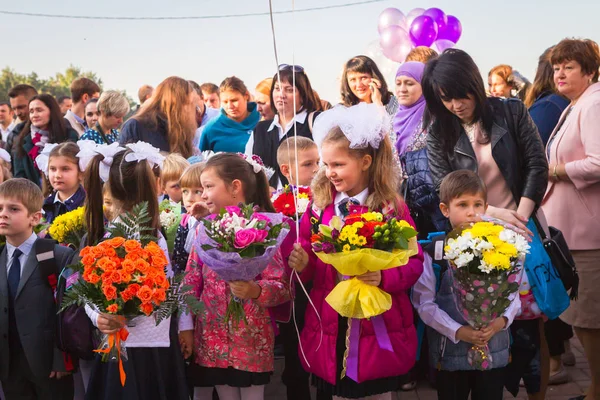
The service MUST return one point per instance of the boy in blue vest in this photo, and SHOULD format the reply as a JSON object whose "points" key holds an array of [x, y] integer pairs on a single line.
{"points": [[463, 197], [31, 366]]}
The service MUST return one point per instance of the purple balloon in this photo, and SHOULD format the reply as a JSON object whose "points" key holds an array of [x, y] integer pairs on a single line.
{"points": [[412, 14], [453, 30], [443, 44], [398, 44], [389, 17], [438, 16], [423, 31]]}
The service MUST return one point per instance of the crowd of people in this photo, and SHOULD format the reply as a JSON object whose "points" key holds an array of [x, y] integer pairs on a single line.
{"points": [[435, 148]]}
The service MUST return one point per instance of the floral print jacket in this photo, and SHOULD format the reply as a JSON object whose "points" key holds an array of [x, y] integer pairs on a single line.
{"points": [[246, 347]]}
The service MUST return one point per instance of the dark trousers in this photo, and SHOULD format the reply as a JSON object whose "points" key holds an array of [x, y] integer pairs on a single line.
{"points": [[482, 385], [557, 332], [23, 385]]}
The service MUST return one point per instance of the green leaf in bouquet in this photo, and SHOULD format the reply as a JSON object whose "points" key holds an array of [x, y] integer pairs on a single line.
{"points": [[134, 225], [408, 232]]}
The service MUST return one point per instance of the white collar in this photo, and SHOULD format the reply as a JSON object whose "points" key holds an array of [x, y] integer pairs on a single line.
{"points": [[25, 247], [361, 197], [300, 118], [57, 200]]}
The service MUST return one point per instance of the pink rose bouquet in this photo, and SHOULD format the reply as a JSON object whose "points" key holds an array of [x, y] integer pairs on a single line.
{"points": [[238, 244]]}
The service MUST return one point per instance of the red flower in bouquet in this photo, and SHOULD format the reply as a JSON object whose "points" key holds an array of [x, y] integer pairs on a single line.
{"points": [[284, 203]]}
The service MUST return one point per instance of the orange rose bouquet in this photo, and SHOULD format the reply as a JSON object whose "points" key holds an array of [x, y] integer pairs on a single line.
{"points": [[126, 276]]}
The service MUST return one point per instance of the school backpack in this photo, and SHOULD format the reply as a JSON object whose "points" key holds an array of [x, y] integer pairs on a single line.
{"points": [[74, 330]]}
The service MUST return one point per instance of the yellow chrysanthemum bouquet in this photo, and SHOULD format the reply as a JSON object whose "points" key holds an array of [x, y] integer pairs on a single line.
{"points": [[484, 258], [364, 242], [69, 228]]}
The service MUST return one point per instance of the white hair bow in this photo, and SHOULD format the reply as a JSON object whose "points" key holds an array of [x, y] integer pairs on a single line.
{"points": [[42, 159], [88, 149], [258, 165], [145, 151], [363, 124], [4, 156]]}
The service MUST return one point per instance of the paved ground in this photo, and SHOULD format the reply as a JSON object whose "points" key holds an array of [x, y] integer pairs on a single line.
{"points": [[579, 381]]}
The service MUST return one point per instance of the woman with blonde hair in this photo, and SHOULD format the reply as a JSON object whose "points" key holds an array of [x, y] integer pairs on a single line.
{"points": [[112, 108], [262, 97], [167, 120]]}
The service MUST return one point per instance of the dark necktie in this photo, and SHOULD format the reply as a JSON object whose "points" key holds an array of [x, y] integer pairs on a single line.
{"points": [[345, 204], [14, 275]]}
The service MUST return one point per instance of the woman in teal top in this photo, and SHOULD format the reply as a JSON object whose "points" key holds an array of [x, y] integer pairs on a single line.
{"points": [[231, 130]]}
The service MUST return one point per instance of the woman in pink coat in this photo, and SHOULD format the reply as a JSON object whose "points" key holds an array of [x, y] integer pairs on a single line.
{"points": [[572, 200]]}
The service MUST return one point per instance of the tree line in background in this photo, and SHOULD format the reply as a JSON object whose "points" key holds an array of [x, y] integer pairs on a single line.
{"points": [[57, 85]]}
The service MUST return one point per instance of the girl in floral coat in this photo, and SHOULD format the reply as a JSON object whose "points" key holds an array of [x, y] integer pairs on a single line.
{"points": [[237, 360]]}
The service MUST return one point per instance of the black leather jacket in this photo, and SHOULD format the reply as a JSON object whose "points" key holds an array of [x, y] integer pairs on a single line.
{"points": [[520, 155]]}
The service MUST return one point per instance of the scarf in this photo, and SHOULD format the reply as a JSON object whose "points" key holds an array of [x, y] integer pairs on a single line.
{"points": [[408, 118], [39, 138]]}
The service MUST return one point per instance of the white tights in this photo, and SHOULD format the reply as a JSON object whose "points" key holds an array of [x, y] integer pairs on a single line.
{"points": [[383, 396], [203, 393]]}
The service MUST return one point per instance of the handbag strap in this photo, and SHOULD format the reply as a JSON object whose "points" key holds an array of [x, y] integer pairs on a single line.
{"points": [[538, 226]]}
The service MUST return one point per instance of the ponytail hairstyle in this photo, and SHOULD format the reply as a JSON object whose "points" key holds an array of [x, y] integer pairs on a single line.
{"points": [[68, 150], [383, 173], [130, 183], [230, 166]]}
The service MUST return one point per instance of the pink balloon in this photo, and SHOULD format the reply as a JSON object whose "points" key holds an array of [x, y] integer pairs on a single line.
{"points": [[443, 44], [397, 45], [423, 31], [391, 37], [412, 14], [389, 17]]}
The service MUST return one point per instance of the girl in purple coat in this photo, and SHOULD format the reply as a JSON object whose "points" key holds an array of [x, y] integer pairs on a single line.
{"points": [[359, 168]]}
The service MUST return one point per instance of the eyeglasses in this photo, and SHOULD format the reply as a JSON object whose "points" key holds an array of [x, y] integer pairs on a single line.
{"points": [[293, 68]]}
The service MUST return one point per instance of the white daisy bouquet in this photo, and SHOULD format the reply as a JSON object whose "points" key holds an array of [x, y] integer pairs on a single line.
{"points": [[485, 260]]}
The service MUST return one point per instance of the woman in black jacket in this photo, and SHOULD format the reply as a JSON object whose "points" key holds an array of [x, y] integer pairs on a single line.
{"points": [[497, 139], [290, 88], [471, 131]]}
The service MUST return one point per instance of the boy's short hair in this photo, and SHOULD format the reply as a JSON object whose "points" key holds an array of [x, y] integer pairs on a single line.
{"points": [[82, 86], [173, 168], [191, 176], [24, 191], [461, 182], [287, 157]]}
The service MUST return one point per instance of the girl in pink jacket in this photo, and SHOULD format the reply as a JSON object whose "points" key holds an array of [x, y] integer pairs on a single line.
{"points": [[359, 168], [238, 361]]}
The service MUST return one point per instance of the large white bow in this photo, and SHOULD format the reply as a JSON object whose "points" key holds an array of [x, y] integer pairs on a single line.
{"points": [[88, 149], [145, 151], [42, 159], [4, 156]]}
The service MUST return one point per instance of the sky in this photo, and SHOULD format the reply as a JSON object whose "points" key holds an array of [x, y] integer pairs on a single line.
{"points": [[127, 54]]}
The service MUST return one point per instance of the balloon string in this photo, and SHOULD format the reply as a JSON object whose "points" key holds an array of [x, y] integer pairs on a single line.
{"points": [[295, 273]]}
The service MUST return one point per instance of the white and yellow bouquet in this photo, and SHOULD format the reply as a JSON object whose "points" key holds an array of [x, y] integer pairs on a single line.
{"points": [[485, 260]]}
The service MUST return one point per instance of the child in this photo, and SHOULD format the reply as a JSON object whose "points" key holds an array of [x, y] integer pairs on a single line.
{"points": [[107, 204], [359, 169], [191, 190], [238, 361], [294, 376], [463, 198], [5, 161], [61, 166], [154, 368], [31, 366], [170, 173], [308, 160]]}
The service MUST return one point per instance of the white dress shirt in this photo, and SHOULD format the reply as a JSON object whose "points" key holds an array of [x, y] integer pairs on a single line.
{"points": [[361, 198], [423, 299], [299, 118], [25, 248]]}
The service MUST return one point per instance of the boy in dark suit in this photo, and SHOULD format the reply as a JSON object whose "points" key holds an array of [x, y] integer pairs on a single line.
{"points": [[31, 366]]}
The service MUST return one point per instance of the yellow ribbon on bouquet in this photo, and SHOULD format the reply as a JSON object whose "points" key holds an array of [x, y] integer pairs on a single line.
{"points": [[353, 298]]}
